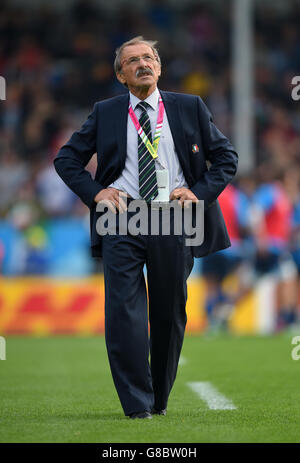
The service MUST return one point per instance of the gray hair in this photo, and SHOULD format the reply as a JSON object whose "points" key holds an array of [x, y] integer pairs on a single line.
{"points": [[134, 41]]}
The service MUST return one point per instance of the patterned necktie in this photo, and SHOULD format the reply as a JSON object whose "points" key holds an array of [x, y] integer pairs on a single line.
{"points": [[147, 173]]}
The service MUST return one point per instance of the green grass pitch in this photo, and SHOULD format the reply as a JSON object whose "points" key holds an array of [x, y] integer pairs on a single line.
{"points": [[59, 389]]}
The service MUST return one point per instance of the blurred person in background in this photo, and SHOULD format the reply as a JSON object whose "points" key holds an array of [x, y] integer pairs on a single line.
{"points": [[125, 169], [236, 261], [292, 187], [26, 214], [280, 141], [56, 199], [272, 207], [295, 244], [14, 173]]}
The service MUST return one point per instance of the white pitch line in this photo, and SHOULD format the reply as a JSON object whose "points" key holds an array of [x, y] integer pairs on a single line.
{"points": [[182, 360], [214, 399]]}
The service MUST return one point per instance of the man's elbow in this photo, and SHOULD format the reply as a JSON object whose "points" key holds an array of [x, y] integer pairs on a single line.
{"points": [[57, 164], [229, 166], [233, 159], [236, 161], [60, 165]]}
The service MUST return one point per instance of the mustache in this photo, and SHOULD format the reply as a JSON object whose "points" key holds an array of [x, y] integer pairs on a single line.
{"points": [[144, 72]]}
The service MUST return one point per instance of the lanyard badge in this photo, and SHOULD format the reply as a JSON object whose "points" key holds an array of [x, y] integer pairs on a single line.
{"points": [[152, 147]]}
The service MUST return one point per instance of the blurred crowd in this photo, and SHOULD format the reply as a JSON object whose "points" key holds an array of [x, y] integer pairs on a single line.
{"points": [[57, 63], [262, 214]]}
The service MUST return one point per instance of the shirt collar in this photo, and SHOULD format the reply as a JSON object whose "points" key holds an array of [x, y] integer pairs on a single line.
{"points": [[152, 99]]}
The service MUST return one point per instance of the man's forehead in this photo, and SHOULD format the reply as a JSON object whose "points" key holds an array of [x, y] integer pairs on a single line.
{"points": [[132, 50]]}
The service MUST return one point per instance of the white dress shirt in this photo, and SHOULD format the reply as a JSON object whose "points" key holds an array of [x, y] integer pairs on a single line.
{"points": [[128, 181]]}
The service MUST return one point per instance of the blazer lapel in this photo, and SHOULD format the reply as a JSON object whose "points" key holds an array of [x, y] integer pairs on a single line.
{"points": [[172, 108], [120, 123], [176, 126]]}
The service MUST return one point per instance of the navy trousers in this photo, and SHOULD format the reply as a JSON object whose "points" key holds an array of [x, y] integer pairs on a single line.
{"points": [[140, 383]]}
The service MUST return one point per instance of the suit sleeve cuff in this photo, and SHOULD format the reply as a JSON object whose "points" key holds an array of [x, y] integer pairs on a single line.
{"points": [[94, 189]]}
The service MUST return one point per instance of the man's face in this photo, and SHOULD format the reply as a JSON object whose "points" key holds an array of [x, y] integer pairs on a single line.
{"points": [[140, 68]]}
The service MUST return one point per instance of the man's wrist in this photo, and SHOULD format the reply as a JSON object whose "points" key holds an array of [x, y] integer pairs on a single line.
{"points": [[95, 197]]}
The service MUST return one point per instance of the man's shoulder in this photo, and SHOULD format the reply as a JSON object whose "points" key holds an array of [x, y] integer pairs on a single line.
{"points": [[109, 102], [179, 96]]}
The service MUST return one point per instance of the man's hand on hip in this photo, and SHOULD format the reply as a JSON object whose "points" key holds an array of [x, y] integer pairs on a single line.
{"points": [[112, 198], [183, 194]]}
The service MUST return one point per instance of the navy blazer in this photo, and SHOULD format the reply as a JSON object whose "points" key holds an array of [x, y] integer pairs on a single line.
{"points": [[105, 132]]}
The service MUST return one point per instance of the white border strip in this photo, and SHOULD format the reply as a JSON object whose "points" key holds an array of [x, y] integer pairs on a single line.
{"points": [[207, 392]]}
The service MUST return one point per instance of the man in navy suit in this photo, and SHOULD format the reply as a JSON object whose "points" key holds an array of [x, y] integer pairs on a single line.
{"points": [[188, 143]]}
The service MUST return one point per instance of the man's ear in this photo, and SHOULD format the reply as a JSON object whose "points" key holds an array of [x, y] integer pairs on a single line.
{"points": [[121, 78], [159, 70]]}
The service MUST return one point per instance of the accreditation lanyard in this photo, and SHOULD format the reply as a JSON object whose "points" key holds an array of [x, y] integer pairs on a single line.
{"points": [[152, 147]]}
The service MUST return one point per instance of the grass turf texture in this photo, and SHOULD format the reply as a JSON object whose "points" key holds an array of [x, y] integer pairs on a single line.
{"points": [[60, 389]]}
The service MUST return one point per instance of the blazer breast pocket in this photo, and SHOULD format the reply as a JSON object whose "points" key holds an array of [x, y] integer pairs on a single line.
{"points": [[194, 143], [196, 154]]}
